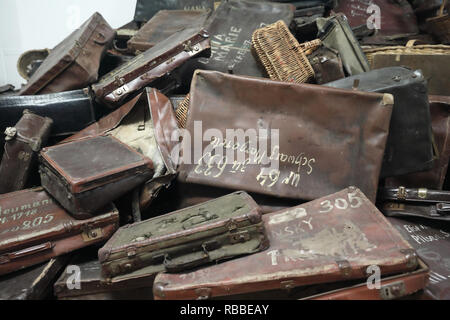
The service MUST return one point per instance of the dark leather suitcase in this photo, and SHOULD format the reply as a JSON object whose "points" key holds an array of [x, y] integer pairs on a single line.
{"points": [[231, 27], [409, 147], [440, 123], [396, 18], [33, 283], [164, 24], [70, 111], [331, 239], [35, 229], [93, 286], [402, 286], [145, 9], [306, 152], [327, 65], [431, 239], [86, 174], [151, 65], [220, 229], [73, 63], [23, 142], [421, 202], [145, 123]]}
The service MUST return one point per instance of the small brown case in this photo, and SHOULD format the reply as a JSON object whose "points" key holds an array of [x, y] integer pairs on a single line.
{"points": [[34, 229], [22, 143], [84, 175]]}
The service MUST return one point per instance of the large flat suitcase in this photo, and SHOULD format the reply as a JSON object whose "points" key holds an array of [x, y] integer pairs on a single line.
{"points": [[164, 24], [440, 123], [231, 27], [86, 174], [145, 123], [432, 60], [73, 63], [23, 142], [35, 229], [287, 144], [219, 229], [331, 239], [432, 243], [145, 9], [70, 111], [33, 283], [154, 64], [92, 285], [409, 147]]}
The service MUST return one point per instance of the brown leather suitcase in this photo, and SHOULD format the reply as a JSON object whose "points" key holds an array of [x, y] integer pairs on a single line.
{"points": [[147, 122], [33, 283], [317, 154], [152, 65], [401, 286], [331, 239], [86, 174], [34, 229], [431, 239], [73, 63], [440, 123], [164, 24], [22, 143]]}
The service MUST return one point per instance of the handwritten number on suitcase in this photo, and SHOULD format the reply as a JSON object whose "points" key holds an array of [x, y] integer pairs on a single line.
{"points": [[342, 204]]}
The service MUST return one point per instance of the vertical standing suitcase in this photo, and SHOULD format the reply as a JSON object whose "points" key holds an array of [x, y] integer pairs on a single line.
{"points": [[34, 229], [23, 142], [409, 147], [73, 63], [331, 239]]}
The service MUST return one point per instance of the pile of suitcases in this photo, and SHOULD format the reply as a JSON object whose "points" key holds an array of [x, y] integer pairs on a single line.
{"points": [[241, 149]]}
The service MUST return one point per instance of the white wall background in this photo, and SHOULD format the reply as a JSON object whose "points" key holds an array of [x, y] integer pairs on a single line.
{"points": [[38, 24]]}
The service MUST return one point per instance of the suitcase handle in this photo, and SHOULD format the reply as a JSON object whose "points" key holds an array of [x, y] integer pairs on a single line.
{"points": [[26, 252], [189, 220], [192, 260]]}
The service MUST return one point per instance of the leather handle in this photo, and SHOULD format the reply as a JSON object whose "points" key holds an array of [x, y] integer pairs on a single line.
{"points": [[189, 221], [26, 252], [186, 261]]}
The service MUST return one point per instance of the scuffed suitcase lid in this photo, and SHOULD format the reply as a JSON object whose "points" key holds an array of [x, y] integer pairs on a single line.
{"points": [[178, 227], [330, 239], [62, 55], [31, 217]]}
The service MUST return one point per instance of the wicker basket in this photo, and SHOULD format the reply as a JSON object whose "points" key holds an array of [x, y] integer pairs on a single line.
{"points": [[439, 26], [182, 111], [410, 48], [281, 55]]}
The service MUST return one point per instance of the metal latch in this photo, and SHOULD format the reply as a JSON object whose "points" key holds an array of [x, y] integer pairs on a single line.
{"points": [[422, 193], [411, 257], [191, 50], [121, 91], [90, 233], [345, 268], [401, 193], [393, 290], [203, 293], [287, 285], [131, 252], [242, 236]]}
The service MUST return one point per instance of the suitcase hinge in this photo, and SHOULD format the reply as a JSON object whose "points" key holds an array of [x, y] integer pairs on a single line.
{"points": [[203, 293], [242, 236], [90, 233], [422, 193], [401, 193], [393, 290], [345, 268], [411, 257]]}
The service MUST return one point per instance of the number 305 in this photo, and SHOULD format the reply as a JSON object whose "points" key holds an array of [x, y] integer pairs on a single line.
{"points": [[341, 203]]}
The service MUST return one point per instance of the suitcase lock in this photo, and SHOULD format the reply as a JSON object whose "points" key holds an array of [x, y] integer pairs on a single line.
{"points": [[392, 290], [90, 233]]}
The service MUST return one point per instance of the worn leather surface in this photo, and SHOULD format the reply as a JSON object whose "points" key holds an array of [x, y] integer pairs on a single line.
{"points": [[328, 138], [327, 65], [35, 229], [145, 9], [20, 151], [164, 24], [309, 244], [73, 63], [83, 179], [409, 147], [440, 123]]}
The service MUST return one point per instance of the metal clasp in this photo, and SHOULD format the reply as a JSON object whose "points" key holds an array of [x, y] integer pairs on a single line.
{"points": [[393, 290], [401, 193]]}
